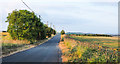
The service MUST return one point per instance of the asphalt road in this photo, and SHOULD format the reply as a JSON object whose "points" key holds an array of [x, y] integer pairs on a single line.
{"points": [[46, 52]]}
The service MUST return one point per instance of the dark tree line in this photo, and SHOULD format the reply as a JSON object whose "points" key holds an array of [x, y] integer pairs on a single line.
{"points": [[91, 35], [24, 24]]}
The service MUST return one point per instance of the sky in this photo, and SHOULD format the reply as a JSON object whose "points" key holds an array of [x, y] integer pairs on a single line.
{"points": [[88, 16]]}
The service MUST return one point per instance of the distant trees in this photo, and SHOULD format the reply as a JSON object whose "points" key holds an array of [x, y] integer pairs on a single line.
{"points": [[90, 35], [62, 32], [24, 24]]}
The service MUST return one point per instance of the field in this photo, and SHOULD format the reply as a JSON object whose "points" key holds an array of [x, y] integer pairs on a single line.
{"points": [[89, 49], [10, 46], [111, 42]]}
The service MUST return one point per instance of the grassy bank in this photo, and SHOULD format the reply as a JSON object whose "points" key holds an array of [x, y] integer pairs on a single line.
{"points": [[10, 46], [89, 49]]}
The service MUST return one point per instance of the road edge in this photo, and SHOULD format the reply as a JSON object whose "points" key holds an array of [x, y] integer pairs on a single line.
{"points": [[25, 48]]}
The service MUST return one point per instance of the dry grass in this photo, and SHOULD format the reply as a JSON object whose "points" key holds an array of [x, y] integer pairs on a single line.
{"points": [[111, 44], [83, 49], [63, 49], [100, 37], [10, 46], [6, 38], [16, 41], [103, 41]]}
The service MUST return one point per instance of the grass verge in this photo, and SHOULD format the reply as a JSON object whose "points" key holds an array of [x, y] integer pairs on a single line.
{"points": [[10, 46]]}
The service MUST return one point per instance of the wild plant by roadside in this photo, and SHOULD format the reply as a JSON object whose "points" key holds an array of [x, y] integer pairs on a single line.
{"points": [[80, 50]]}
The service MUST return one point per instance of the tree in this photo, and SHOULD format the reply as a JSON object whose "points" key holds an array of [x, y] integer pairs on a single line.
{"points": [[43, 33], [54, 32], [49, 30], [62, 32], [24, 24]]}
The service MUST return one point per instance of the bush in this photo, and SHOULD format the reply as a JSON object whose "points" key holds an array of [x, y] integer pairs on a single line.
{"points": [[62, 32]]}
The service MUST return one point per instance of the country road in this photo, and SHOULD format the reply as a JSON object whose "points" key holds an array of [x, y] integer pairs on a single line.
{"points": [[46, 52]]}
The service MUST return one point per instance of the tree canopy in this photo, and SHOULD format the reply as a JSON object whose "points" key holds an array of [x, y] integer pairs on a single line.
{"points": [[24, 24], [62, 32], [49, 31]]}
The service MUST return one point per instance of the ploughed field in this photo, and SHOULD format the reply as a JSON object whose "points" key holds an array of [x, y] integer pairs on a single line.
{"points": [[89, 48]]}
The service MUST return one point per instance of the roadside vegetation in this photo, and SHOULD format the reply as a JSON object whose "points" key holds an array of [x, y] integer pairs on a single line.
{"points": [[11, 46], [25, 30], [89, 49], [25, 25], [62, 32]]}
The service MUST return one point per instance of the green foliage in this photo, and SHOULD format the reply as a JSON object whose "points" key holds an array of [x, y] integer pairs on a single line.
{"points": [[54, 32], [43, 33], [92, 35], [24, 24], [49, 31], [62, 32]]}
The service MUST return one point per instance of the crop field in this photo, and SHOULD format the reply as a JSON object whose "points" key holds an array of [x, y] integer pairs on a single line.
{"points": [[89, 49]]}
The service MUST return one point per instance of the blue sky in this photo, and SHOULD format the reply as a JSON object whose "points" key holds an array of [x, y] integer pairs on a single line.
{"points": [[93, 16]]}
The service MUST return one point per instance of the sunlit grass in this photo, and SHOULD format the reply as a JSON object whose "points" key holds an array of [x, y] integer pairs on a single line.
{"points": [[84, 49], [6, 39], [103, 41], [9, 45]]}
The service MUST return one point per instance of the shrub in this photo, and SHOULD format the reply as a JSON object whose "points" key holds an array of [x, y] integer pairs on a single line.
{"points": [[62, 32]]}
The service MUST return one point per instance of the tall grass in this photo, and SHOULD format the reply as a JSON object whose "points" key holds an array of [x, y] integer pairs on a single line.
{"points": [[9, 45], [77, 49]]}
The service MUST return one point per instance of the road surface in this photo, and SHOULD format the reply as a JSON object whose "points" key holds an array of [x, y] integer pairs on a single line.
{"points": [[46, 52]]}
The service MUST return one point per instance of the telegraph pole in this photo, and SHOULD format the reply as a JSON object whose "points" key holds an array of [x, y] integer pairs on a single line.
{"points": [[53, 26], [50, 24], [39, 17], [47, 23]]}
